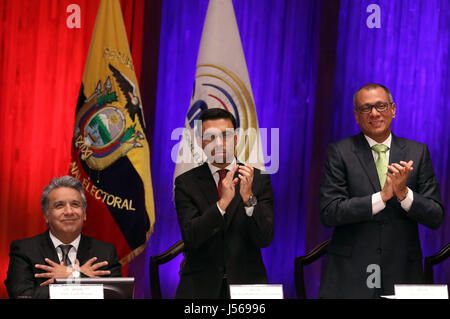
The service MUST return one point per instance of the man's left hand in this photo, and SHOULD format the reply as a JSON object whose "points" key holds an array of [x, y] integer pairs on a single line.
{"points": [[246, 173], [399, 174], [91, 270]]}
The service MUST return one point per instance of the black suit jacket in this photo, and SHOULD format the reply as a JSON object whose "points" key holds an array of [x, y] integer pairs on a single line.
{"points": [[390, 239], [218, 246], [26, 253]]}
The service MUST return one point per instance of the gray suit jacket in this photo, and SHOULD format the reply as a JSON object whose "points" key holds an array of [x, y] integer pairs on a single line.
{"points": [[389, 239]]}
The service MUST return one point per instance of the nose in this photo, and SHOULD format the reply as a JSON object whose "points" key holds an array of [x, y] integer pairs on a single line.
{"points": [[374, 112], [68, 209], [219, 140]]}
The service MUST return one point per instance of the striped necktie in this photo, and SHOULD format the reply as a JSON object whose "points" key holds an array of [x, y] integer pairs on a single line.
{"points": [[65, 254]]}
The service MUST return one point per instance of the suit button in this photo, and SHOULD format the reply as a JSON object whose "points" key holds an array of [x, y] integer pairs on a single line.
{"points": [[379, 251]]}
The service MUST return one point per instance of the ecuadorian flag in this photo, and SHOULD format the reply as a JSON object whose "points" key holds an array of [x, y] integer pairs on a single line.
{"points": [[110, 153]]}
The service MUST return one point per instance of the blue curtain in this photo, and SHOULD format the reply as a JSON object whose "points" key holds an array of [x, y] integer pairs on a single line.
{"points": [[409, 54]]}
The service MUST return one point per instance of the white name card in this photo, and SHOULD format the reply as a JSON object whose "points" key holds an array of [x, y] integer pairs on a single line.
{"points": [[421, 291], [59, 291], [256, 291]]}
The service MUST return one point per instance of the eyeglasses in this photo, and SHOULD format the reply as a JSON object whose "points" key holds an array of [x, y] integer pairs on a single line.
{"points": [[367, 108]]}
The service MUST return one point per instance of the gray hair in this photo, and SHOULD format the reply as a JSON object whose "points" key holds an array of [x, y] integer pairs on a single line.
{"points": [[63, 181], [372, 86]]}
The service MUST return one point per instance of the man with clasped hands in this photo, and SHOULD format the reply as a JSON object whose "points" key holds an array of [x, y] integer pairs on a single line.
{"points": [[376, 189]]}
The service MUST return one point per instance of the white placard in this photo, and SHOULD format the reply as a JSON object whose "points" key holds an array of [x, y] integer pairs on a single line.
{"points": [[421, 291], [256, 291], [59, 291]]}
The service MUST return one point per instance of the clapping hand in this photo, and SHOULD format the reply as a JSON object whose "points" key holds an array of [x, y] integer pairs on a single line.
{"points": [[228, 188], [246, 173], [398, 175]]}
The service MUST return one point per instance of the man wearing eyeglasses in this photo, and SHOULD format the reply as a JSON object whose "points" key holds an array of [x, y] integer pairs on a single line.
{"points": [[376, 189], [225, 213]]}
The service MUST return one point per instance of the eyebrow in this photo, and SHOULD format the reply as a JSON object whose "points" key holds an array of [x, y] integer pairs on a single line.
{"points": [[375, 103], [63, 202]]}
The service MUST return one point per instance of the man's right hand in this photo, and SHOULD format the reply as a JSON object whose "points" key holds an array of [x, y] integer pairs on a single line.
{"points": [[228, 189], [53, 270], [388, 190]]}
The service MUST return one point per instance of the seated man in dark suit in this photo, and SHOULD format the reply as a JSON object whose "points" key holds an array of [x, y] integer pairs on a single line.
{"points": [[62, 251], [376, 188], [225, 212]]}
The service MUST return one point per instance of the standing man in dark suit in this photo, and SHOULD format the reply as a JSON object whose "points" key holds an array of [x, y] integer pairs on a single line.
{"points": [[376, 188], [225, 213], [62, 251]]}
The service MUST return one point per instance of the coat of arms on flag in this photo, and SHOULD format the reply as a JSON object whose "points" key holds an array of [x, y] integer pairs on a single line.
{"points": [[102, 133]]}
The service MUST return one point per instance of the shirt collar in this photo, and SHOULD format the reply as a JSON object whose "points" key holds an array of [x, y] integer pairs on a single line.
{"points": [[215, 169], [56, 242], [386, 142]]}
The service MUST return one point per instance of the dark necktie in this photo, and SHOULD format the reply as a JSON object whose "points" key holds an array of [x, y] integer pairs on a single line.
{"points": [[222, 174], [65, 254]]}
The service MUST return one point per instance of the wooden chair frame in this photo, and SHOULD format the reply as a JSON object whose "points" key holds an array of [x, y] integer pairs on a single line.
{"points": [[302, 261], [155, 261]]}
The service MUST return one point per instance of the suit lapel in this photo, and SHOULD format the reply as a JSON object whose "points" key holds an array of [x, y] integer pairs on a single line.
{"points": [[364, 153], [48, 249], [208, 187], [83, 249], [397, 151], [207, 184]]}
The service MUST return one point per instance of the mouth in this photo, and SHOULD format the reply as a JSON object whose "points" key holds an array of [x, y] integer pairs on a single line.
{"points": [[376, 124], [69, 221], [220, 153]]}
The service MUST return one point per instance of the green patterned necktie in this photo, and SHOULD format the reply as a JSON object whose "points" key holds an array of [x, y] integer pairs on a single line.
{"points": [[381, 162]]}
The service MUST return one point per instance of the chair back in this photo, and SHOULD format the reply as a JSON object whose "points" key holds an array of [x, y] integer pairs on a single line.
{"points": [[155, 261], [302, 261], [430, 261]]}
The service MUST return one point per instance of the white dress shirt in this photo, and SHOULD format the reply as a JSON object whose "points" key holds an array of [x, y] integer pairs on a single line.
{"points": [[73, 250], [377, 202], [215, 173]]}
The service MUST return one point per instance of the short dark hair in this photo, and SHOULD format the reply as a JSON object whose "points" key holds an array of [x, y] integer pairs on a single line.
{"points": [[372, 86], [217, 114]]}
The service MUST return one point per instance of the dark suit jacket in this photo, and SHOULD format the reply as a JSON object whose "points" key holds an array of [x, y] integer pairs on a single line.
{"points": [[389, 239], [26, 253], [218, 246]]}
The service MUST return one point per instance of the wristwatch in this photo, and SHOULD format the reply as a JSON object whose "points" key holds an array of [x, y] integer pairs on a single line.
{"points": [[252, 201]]}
